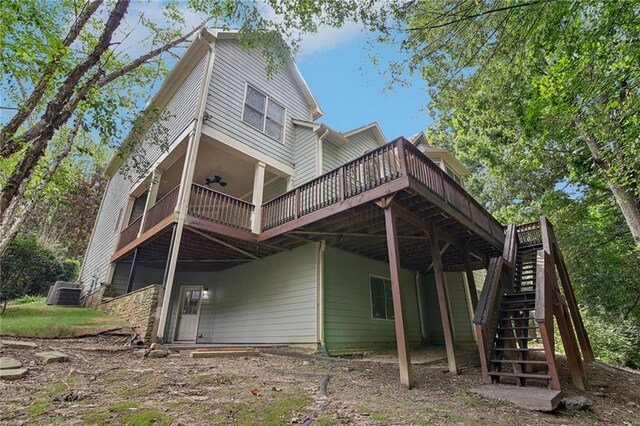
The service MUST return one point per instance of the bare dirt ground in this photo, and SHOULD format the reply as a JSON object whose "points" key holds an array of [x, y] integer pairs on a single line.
{"points": [[281, 386]]}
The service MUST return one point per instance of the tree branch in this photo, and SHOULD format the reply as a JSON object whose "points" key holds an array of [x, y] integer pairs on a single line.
{"points": [[144, 58], [9, 145], [68, 86]]}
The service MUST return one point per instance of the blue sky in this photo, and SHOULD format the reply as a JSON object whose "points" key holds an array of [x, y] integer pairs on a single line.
{"points": [[351, 90]]}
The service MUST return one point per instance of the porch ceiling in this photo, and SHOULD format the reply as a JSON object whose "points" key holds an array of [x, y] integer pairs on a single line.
{"points": [[201, 251]]}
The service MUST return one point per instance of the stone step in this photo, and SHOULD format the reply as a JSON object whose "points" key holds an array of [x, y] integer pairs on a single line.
{"points": [[223, 353], [13, 374], [52, 356], [17, 344], [7, 363]]}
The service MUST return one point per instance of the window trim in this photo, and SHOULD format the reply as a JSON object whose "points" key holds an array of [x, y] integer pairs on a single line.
{"points": [[266, 109], [371, 298]]}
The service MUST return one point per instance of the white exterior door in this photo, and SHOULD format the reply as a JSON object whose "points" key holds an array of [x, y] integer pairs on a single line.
{"points": [[188, 313]]}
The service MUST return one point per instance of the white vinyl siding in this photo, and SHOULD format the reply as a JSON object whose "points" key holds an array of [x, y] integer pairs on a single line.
{"points": [[336, 156], [272, 300], [233, 68], [305, 155], [347, 303], [182, 107]]}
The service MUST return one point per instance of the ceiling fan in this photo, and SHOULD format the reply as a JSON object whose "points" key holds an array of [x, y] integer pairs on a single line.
{"points": [[216, 179]]}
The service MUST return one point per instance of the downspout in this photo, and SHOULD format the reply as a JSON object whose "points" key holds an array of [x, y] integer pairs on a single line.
{"points": [[185, 192], [420, 309], [320, 295]]}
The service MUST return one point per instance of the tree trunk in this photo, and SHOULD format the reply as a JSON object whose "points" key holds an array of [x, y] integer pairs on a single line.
{"points": [[629, 206], [627, 200]]}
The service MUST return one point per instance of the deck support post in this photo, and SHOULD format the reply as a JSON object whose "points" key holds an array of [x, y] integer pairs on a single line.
{"points": [[182, 205], [404, 356], [132, 272], [258, 191], [438, 272], [471, 281]]}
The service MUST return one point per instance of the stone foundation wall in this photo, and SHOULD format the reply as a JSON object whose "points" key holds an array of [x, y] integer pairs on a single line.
{"points": [[139, 308]]}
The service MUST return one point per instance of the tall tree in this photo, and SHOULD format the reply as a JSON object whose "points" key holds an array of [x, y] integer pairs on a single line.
{"points": [[547, 92], [70, 61]]}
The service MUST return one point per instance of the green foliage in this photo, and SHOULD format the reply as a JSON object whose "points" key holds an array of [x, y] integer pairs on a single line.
{"points": [[28, 299], [540, 100], [28, 268], [37, 320], [615, 340]]}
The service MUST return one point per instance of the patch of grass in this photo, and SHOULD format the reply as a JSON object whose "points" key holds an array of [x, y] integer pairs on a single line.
{"points": [[380, 417], [470, 400], [37, 320], [39, 407], [127, 413], [325, 421], [374, 415], [271, 410]]}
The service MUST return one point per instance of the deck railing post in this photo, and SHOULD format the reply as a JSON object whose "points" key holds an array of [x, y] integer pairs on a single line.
{"points": [[341, 183], [296, 204], [402, 158]]}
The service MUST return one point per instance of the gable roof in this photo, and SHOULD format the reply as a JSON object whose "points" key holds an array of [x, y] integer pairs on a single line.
{"points": [[316, 111], [377, 132], [421, 139]]}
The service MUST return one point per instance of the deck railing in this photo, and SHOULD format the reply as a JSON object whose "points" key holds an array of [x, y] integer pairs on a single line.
{"points": [[161, 209], [214, 206], [130, 233], [382, 165]]}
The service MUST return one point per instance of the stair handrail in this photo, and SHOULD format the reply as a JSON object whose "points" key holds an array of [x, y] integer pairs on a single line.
{"points": [[550, 245], [499, 281]]}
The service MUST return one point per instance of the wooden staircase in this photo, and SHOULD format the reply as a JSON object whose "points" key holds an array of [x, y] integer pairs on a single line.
{"points": [[516, 310]]}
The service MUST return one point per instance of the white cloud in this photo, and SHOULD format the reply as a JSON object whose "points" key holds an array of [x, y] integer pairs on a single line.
{"points": [[328, 38]]}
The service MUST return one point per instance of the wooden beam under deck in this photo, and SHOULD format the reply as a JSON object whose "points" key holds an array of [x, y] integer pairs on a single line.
{"points": [[151, 233], [404, 355]]}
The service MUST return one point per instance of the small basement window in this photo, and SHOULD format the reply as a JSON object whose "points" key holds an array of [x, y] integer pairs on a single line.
{"points": [[263, 113], [381, 298]]}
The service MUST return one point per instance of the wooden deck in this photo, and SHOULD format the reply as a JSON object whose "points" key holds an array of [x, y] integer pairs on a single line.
{"points": [[338, 207]]}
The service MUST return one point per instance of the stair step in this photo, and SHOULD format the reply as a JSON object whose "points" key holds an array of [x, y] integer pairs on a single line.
{"points": [[533, 327], [521, 293], [521, 301], [519, 349], [518, 361], [518, 338], [518, 309], [520, 375]]}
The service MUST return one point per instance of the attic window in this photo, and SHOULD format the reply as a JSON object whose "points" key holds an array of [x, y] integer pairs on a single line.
{"points": [[453, 175], [263, 113]]}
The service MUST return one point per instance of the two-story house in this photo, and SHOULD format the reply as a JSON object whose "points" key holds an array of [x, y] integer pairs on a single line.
{"points": [[263, 225]]}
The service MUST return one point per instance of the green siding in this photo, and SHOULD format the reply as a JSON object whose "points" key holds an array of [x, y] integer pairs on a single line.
{"points": [[272, 300], [458, 307], [347, 303]]}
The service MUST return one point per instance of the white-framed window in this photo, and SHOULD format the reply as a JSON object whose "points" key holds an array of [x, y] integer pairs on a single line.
{"points": [[381, 298], [263, 113], [453, 174]]}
